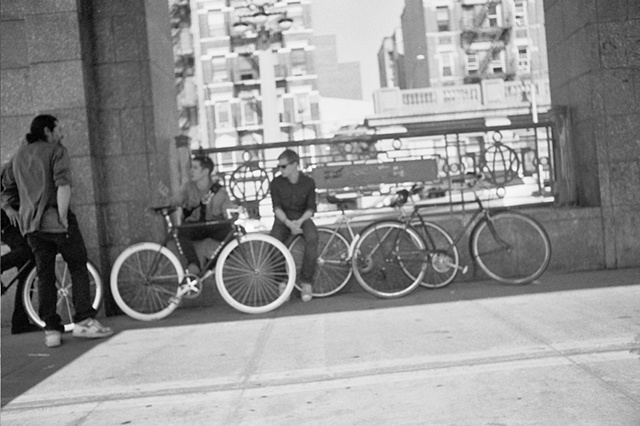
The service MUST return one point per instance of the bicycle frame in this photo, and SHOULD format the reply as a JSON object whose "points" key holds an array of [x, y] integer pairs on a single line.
{"points": [[29, 264], [192, 284]]}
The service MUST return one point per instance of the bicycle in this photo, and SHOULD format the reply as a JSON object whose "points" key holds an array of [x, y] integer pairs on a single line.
{"points": [[509, 246], [337, 263], [65, 292], [148, 280], [333, 269]]}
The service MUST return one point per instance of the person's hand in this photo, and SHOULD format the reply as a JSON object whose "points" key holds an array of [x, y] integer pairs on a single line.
{"points": [[295, 227], [13, 215]]}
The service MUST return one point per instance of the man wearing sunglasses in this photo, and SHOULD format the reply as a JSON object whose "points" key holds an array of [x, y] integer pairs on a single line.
{"points": [[294, 203]]}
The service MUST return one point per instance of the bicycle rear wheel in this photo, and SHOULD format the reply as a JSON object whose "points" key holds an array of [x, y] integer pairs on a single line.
{"points": [[444, 261], [66, 310], [511, 247], [144, 281], [389, 259], [333, 269], [249, 273]]}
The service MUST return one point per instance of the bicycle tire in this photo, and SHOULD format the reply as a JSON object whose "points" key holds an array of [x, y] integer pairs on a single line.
{"points": [[383, 254], [444, 259], [528, 253], [66, 310], [333, 269], [249, 273], [144, 281]]}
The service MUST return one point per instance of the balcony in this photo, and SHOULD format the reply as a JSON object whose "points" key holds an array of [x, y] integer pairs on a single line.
{"points": [[489, 95]]}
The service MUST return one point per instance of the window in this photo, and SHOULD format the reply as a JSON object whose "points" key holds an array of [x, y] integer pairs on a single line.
{"points": [[246, 68], [219, 70], [223, 115], [494, 17], [497, 62], [521, 13], [216, 24], [298, 62], [442, 16], [249, 112], [296, 13], [524, 61], [446, 64], [473, 65]]}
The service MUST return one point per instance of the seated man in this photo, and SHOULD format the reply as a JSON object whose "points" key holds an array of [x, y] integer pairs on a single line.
{"points": [[294, 203], [202, 200]]}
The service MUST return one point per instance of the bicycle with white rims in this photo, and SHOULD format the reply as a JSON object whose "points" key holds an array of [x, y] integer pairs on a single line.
{"points": [[254, 272], [64, 291]]}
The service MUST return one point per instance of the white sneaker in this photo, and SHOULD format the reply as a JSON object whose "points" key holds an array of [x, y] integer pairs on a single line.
{"points": [[307, 292], [281, 288], [91, 329], [52, 338]]}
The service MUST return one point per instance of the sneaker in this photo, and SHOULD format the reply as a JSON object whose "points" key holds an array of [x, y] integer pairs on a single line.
{"points": [[91, 329], [52, 338], [307, 292], [281, 288]]}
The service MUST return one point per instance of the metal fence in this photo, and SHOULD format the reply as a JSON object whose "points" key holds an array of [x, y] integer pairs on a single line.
{"points": [[516, 159]]}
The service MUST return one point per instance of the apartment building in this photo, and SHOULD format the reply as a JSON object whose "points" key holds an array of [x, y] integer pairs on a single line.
{"points": [[249, 75], [498, 45]]}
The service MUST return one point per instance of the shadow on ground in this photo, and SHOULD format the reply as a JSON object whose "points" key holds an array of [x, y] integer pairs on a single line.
{"points": [[26, 361]]}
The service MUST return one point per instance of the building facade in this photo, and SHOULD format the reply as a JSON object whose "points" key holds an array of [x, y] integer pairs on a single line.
{"points": [[252, 79], [467, 55]]}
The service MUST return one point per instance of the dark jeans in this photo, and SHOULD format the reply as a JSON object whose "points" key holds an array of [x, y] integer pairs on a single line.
{"points": [[188, 233], [281, 232], [19, 256], [71, 246]]}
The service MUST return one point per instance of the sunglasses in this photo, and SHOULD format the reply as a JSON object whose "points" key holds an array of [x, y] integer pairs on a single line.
{"points": [[283, 166]]}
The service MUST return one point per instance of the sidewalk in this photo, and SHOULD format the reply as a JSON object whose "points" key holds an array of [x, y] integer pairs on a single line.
{"points": [[562, 351]]}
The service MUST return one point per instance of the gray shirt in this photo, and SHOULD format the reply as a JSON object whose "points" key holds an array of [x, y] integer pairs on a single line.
{"points": [[36, 172]]}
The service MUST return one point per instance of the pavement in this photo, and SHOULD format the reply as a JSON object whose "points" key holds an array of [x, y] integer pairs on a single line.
{"points": [[562, 351]]}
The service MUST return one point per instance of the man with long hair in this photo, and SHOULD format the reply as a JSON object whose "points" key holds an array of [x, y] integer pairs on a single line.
{"points": [[41, 178]]}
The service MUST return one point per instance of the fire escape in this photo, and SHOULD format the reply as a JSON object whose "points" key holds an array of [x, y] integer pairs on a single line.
{"points": [[482, 25], [184, 64]]}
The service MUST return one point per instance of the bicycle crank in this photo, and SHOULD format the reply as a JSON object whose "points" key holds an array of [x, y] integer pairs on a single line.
{"points": [[442, 262], [192, 287]]}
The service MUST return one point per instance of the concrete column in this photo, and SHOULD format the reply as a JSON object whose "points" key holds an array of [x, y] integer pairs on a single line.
{"points": [[594, 69], [105, 69]]}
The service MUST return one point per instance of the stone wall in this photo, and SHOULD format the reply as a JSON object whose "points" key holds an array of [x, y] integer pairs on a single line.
{"points": [[105, 69], [594, 70]]}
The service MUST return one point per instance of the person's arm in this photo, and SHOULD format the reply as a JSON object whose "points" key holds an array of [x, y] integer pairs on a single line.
{"points": [[63, 197], [311, 204], [9, 194]]}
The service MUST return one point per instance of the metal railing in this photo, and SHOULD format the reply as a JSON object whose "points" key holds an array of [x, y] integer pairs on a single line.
{"points": [[516, 159]]}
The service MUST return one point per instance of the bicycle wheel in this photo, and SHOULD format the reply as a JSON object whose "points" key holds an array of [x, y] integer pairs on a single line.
{"points": [[444, 261], [389, 259], [144, 281], [65, 309], [511, 247], [333, 269], [249, 273]]}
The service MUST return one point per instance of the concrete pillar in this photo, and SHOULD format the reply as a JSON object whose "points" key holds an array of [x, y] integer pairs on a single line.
{"points": [[594, 69], [105, 69]]}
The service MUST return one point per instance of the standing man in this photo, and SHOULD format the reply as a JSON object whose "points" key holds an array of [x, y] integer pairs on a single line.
{"points": [[294, 203], [41, 177], [202, 200]]}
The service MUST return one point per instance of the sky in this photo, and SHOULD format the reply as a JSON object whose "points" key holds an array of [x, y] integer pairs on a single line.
{"points": [[359, 27]]}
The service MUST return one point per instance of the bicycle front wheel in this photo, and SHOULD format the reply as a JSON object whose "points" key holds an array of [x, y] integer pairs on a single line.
{"points": [[255, 275], [442, 253], [65, 307], [389, 259], [144, 281], [333, 269], [511, 247]]}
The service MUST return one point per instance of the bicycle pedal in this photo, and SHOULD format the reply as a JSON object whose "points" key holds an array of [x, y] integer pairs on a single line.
{"points": [[464, 269]]}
